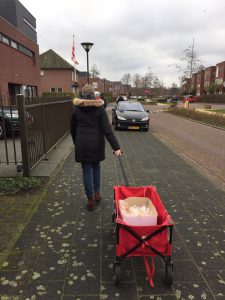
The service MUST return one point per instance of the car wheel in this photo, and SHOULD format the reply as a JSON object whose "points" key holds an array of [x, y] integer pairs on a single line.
{"points": [[115, 125]]}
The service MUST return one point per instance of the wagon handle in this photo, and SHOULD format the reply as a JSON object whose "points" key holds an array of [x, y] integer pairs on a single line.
{"points": [[123, 170]]}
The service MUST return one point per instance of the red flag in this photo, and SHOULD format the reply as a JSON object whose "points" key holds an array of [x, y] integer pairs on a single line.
{"points": [[73, 53]]}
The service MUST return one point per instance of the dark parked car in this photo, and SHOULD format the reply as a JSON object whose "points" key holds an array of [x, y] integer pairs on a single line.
{"points": [[130, 115], [9, 121]]}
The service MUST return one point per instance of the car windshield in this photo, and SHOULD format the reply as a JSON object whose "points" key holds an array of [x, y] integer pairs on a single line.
{"points": [[130, 106]]}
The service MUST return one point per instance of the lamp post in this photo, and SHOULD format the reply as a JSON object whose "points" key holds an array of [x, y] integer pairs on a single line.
{"points": [[87, 47]]}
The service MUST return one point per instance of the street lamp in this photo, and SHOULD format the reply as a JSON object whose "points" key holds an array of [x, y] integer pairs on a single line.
{"points": [[87, 47]]}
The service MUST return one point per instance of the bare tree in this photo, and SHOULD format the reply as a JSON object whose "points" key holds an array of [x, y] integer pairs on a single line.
{"points": [[126, 79], [95, 72], [156, 82], [148, 79], [192, 62], [137, 81]]}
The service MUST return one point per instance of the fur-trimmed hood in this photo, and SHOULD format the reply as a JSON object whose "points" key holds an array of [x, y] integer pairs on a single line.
{"points": [[87, 102]]}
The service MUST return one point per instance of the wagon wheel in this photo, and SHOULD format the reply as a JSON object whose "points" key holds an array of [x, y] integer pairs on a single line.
{"points": [[113, 216], [117, 273], [169, 273]]}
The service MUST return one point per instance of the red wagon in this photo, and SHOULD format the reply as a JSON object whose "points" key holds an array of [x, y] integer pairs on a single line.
{"points": [[154, 240]]}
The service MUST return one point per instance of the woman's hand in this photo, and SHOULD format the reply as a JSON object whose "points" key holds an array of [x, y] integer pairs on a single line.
{"points": [[118, 152]]}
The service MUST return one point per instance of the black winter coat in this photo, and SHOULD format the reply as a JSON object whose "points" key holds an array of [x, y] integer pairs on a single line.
{"points": [[88, 127]]}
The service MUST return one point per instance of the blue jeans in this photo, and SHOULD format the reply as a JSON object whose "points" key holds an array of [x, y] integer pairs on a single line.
{"points": [[91, 178]]}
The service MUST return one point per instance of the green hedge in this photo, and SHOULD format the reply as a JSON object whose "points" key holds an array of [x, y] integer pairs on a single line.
{"points": [[57, 95], [212, 98], [211, 119]]}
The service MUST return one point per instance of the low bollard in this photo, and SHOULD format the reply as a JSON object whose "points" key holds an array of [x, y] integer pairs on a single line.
{"points": [[186, 104]]}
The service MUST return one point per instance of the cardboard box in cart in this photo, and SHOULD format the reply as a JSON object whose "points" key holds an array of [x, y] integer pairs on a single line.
{"points": [[138, 211]]}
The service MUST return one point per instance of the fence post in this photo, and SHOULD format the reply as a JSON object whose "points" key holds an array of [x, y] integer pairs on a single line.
{"points": [[23, 135]]}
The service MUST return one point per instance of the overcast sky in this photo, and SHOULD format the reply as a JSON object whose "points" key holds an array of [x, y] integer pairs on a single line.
{"points": [[130, 36]]}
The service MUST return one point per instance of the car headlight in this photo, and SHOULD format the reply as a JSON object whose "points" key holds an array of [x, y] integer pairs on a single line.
{"points": [[121, 118], [144, 119], [8, 115]]}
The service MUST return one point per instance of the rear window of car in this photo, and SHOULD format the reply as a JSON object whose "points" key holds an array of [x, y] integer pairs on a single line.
{"points": [[130, 106]]}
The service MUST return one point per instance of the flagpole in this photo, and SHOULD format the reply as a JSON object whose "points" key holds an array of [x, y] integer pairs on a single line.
{"points": [[74, 65], [75, 79]]}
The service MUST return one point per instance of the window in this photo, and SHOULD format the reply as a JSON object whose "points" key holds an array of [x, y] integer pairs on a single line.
{"points": [[25, 50], [8, 41], [56, 90], [95, 85], [14, 44], [217, 71], [5, 40]]}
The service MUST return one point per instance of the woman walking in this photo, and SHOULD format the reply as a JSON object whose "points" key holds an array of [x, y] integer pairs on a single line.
{"points": [[89, 127]]}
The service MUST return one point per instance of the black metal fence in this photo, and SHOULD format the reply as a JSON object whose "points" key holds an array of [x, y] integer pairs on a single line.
{"points": [[42, 124], [9, 142]]}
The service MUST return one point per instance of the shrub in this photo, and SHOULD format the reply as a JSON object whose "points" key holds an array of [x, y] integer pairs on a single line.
{"points": [[212, 98], [57, 95], [211, 119], [10, 186]]}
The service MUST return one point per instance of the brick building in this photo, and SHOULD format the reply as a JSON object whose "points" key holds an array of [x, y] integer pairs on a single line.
{"points": [[98, 83], [186, 85], [194, 82], [220, 77], [209, 78], [57, 75], [19, 52], [200, 83]]}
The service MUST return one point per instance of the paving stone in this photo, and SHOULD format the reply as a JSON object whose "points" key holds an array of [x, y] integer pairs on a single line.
{"points": [[126, 290], [160, 287], [186, 229], [199, 243], [20, 260], [50, 269], [180, 252], [193, 290], [107, 271], [84, 259], [186, 271], [46, 290], [208, 260], [28, 242], [71, 297], [108, 250], [216, 281], [82, 282], [14, 282], [90, 239]]}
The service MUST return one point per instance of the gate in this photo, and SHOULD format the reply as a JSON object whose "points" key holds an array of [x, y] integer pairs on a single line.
{"points": [[43, 124], [10, 147]]}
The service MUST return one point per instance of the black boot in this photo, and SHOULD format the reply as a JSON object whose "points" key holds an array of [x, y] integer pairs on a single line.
{"points": [[98, 198], [90, 204]]}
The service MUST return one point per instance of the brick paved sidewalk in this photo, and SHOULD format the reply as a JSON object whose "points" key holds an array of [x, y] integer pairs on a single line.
{"points": [[66, 252]]}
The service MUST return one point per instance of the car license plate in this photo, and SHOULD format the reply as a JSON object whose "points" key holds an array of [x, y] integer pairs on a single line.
{"points": [[133, 127]]}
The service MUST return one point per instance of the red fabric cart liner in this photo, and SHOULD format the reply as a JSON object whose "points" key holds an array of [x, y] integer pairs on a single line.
{"points": [[160, 242]]}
